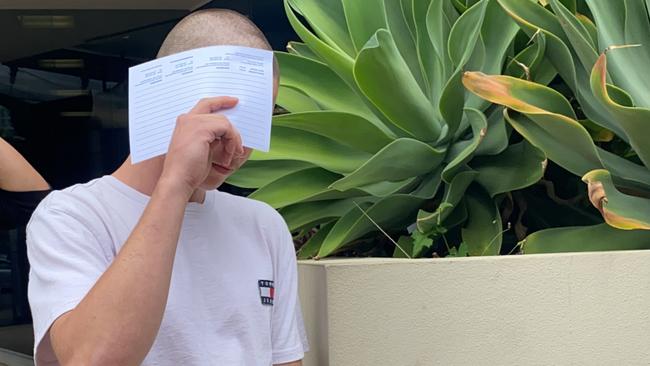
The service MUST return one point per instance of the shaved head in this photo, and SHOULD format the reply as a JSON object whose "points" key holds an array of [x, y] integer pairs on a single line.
{"points": [[215, 27]]}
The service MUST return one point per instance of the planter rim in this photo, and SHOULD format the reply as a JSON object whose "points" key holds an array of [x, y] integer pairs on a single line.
{"points": [[327, 262]]}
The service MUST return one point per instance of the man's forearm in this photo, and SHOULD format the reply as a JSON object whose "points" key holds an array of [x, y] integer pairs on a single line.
{"points": [[16, 174], [117, 321]]}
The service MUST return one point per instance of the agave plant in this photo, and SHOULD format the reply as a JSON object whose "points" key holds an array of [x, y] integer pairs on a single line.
{"points": [[380, 124], [613, 97]]}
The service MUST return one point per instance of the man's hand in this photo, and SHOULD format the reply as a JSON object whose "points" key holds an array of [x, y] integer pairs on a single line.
{"points": [[201, 137]]}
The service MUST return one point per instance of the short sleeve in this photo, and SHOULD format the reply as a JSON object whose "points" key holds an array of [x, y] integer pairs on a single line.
{"points": [[289, 340], [66, 260]]}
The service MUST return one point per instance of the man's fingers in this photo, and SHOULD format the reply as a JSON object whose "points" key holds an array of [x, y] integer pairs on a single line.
{"points": [[211, 105], [221, 129]]}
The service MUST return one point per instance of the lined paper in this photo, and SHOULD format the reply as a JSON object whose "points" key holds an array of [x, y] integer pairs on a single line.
{"points": [[162, 89]]}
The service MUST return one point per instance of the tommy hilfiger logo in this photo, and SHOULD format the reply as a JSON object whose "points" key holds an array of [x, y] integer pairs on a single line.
{"points": [[266, 291]]}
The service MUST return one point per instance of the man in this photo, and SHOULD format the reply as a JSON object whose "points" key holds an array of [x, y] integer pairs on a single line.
{"points": [[125, 271], [21, 188]]}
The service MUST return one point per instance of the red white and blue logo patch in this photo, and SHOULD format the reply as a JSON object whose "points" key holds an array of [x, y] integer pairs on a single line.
{"points": [[267, 291]]}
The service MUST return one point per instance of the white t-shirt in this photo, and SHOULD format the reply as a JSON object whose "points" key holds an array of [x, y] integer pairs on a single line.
{"points": [[233, 294]]}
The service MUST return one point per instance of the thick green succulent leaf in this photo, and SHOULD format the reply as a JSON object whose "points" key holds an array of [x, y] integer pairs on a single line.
{"points": [[547, 123], [498, 31], [389, 213], [428, 185], [572, 149], [619, 210], [327, 19], [625, 22], [590, 27], [462, 151], [322, 85], [585, 239], [451, 105], [401, 159], [294, 100], [340, 61], [571, 5], [576, 33], [454, 192], [292, 144], [634, 121], [465, 33], [534, 18], [255, 174], [460, 5], [306, 214], [626, 174], [387, 188], [533, 57], [521, 95], [403, 102], [312, 246], [430, 61], [532, 15], [519, 166], [450, 12], [564, 140], [496, 137], [482, 232], [407, 11], [363, 19], [404, 40], [598, 134], [301, 49], [438, 27], [295, 187], [566, 143], [345, 128]]}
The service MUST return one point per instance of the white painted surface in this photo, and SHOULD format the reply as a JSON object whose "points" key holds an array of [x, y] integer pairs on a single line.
{"points": [[558, 309]]}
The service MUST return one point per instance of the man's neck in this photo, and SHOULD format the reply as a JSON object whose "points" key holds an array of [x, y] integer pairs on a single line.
{"points": [[144, 176]]}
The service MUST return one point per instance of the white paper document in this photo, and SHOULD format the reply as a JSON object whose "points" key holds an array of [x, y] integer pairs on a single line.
{"points": [[162, 89]]}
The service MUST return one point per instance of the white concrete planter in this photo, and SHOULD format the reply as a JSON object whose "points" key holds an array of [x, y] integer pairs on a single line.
{"points": [[558, 309]]}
